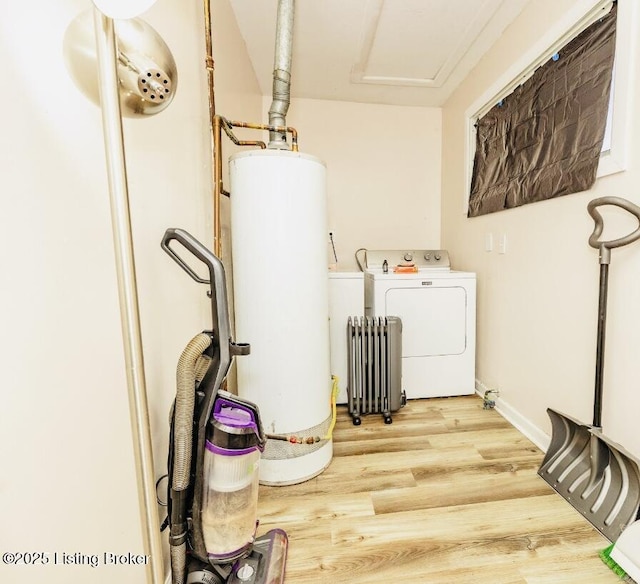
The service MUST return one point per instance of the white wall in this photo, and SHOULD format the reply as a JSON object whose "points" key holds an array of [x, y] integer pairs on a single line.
{"points": [[68, 479], [383, 172], [537, 304]]}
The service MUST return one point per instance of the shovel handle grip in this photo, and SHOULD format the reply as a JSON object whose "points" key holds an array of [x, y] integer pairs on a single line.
{"points": [[592, 208]]}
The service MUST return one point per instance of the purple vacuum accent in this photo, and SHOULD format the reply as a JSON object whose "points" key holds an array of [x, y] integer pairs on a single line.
{"points": [[229, 451], [276, 531], [234, 415], [231, 555]]}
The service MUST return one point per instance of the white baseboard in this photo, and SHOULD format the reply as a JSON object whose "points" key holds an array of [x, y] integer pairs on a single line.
{"points": [[516, 419]]}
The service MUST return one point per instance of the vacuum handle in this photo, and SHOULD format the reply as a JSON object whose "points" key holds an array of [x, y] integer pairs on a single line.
{"points": [[195, 247], [592, 208], [218, 287], [217, 293]]}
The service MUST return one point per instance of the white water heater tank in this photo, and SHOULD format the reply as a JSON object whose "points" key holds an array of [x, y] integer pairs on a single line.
{"points": [[279, 246]]}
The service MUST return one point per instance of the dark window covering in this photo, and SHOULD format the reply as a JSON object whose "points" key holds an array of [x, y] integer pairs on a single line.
{"points": [[544, 139]]}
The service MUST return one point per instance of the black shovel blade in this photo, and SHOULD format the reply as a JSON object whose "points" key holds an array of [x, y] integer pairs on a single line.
{"points": [[596, 476]]}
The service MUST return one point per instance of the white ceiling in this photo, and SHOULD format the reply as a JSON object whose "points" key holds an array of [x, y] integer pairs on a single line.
{"points": [[402, 52]]}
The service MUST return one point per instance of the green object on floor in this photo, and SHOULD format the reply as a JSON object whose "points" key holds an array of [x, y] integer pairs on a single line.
{"points": [[605, 556]]}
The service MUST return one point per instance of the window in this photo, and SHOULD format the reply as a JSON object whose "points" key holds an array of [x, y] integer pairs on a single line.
{"points": [[569, 25]]}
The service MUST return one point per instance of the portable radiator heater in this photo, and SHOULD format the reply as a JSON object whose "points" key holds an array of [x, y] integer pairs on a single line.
{"points": [[374, 367]]}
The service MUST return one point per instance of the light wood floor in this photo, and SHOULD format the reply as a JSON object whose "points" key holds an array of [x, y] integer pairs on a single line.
{"points": [[447, 494]]}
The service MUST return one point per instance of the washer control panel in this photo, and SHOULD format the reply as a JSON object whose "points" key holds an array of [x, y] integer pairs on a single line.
{"points": [[423, 259]]}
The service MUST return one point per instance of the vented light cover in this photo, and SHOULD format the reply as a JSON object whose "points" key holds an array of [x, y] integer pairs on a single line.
{"points": [[146, 69]]}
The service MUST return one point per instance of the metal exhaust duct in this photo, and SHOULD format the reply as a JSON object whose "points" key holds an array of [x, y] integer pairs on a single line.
{"points": [[282, 73]]}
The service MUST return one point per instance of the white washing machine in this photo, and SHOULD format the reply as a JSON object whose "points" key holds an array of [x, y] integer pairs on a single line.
{"points": [[437, 306]]}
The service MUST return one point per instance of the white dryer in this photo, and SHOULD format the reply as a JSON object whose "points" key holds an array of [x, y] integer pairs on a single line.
{"points": [[437, 307]]}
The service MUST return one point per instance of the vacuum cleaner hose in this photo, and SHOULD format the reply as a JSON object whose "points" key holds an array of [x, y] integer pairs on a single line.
{"points": [[178, 563], [185, 404], [189, 370]]}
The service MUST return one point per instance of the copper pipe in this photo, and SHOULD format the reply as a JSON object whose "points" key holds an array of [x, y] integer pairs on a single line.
{"points": [[292, 131], [227, 129], [214, 135], [220, 124], [217, 186], [209, 59]]}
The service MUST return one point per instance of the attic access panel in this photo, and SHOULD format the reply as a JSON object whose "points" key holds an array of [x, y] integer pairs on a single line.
{"points": [[544, 140]]}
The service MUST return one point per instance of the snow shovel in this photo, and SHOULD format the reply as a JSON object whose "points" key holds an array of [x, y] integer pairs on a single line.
{"points": [[596, 475]]}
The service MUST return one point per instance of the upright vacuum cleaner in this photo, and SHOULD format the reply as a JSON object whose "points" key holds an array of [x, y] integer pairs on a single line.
{"points": [[215, 443]]}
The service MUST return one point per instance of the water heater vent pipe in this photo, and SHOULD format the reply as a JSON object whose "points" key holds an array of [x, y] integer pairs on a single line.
{"points": [[282, 73]]}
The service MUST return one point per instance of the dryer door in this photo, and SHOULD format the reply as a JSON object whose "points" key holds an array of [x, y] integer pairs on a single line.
{"points": [[433, 319]]}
